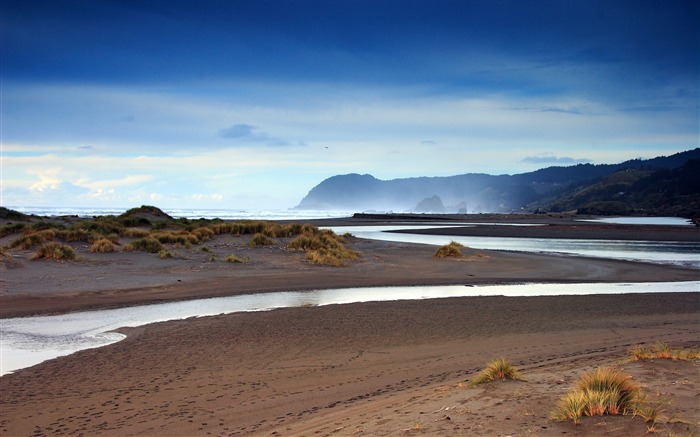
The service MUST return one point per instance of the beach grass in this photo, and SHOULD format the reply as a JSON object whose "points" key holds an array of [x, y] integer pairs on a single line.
{"points": [[146, 244], [604, 391], [261, 239], [661, 350], [54, 250], [323, 247], [150, 230], [500, 368], [234, 259], [103, 245], [451, 250], [29, 240]]}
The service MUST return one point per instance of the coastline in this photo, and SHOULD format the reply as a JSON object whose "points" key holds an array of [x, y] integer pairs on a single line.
{"points": [[376, 368], [109, 280]]}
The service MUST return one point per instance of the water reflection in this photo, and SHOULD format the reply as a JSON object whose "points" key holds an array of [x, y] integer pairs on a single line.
{"points": [[684, 253], [30, 340]]}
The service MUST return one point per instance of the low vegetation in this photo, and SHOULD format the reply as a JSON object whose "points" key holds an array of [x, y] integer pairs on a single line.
{"points": [[102, 245], [499, 368], [261, 239], [452, 250], [234, 259], [148, 229], [146, 244], [56, 251], [323, 247], [606, 391], [662, 350]]}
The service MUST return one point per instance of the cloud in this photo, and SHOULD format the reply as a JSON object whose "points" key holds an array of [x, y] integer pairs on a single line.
{"points": [[571, 110], [250, 133], [238, 131], [428, 142], [548, 158]]}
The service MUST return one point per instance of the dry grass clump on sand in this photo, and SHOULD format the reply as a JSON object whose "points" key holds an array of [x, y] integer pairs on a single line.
{"points": [[663, 350], [600, 392], [499, 368], [260, 239], [323, 247], [146, 244], [102, 245], [234, 259], [54, 250], [452, 250]]}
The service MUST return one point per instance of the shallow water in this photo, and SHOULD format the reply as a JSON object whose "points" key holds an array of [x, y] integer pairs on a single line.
{"points": [[27, 341], [683, 253], [667, 221]]}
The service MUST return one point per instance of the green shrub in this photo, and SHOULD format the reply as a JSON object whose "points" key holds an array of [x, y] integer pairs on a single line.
{"points": [[56, 251]]}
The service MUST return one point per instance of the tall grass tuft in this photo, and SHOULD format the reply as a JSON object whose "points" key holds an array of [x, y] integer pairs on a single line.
{"points": [[103, 246], [261, 240], [146, 244], [452, 250], [54, 250], [322, 247], [499, 368], [602, 391]]}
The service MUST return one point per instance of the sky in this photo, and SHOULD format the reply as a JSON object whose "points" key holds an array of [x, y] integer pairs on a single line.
{"points": [[248, 104]]}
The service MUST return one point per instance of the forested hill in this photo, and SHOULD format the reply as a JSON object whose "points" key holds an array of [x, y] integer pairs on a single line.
{"points": [[662, 185]]}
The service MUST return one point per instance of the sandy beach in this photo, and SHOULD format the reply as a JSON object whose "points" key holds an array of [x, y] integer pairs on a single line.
{"points": [[392, 368]]}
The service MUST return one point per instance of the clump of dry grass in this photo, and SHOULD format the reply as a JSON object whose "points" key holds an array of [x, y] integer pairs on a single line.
{"points": [[499, 368], [102, 245], [165, 253], [31, 239], [54, 250], [662, 350], [599, 392], [323, 247], [234, 259], [452, 250], [146, 244], [135, 233], [260, 239]]}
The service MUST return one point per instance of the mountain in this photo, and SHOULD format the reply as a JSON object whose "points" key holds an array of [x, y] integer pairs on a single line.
{"points": [[660, 184]]}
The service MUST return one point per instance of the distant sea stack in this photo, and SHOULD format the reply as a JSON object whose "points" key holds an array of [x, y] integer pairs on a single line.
{"points": [[666, 185]]}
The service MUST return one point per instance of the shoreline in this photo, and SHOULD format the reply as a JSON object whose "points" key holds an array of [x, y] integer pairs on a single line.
{"points": [[109, 280]]}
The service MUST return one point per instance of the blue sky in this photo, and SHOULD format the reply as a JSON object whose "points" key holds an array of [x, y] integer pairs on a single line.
{"points": [[250, 104]]}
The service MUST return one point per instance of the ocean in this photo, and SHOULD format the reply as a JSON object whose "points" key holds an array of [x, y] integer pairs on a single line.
{"points": [[224, 214]]}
